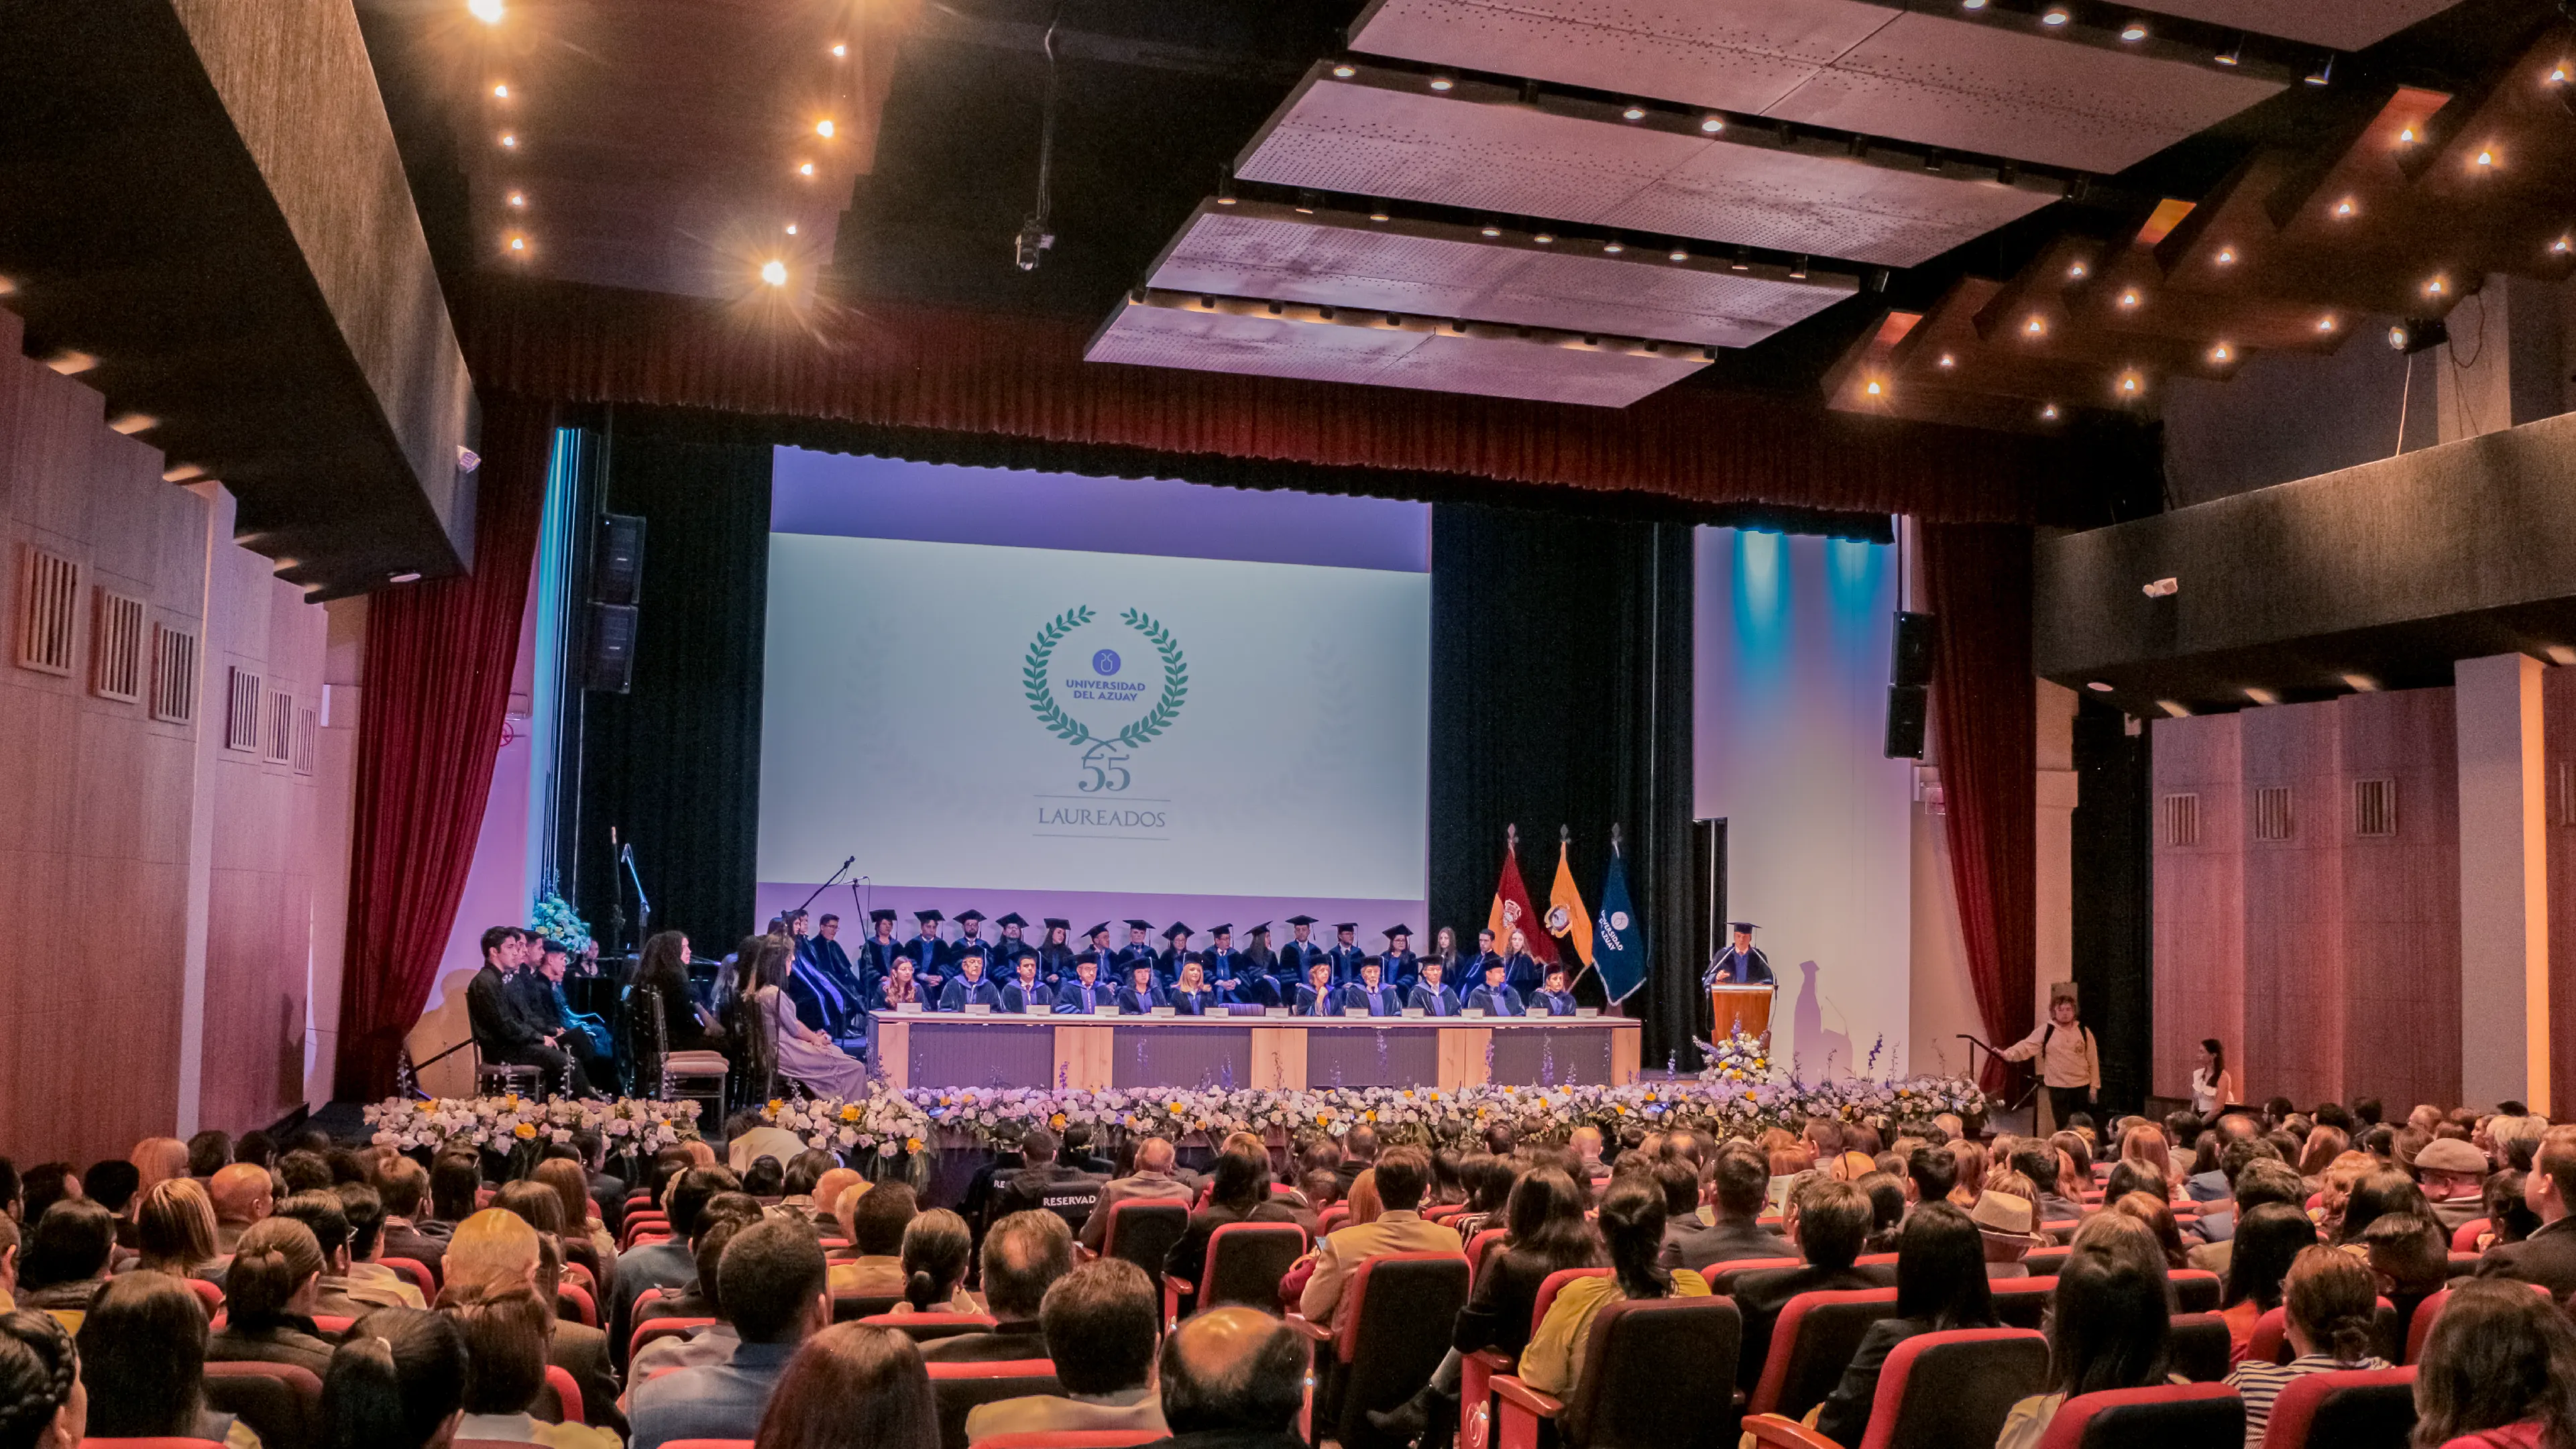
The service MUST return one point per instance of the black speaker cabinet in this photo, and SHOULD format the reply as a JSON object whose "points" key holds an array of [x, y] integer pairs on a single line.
{"points": [[608, 655], [617, 559], [1905, 708], [1912, 661]]}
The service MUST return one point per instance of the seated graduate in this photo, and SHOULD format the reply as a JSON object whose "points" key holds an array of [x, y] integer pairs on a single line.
{"points": [[1471, 971], [969, 986], [1372, 994], [1142, 993], [1494, 998], [1083, 990], [1317, 997], [1346, 952], [1229, 970], [1055, 953], [1175, 951], [928, 952], [901, 987], [1554, 999], [1025, 996], [1399, 965], [1192, 995], [1137, 947], [1431, 994]]}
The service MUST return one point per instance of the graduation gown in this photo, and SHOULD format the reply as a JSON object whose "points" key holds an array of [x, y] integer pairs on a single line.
{"points": [[1327, 1002], [1167, 965], [821, 1001], [1294, 959], [1199, 1003], [1434, 1001], [1739, 968], [1358, 1000], [1055, 963], [929, 960], [1346, 963], [1471, 974], [1552, 1003], [1134, 1005], [1139, 954], [1073, 997], [1253, 988], [1403, 968], [957, 949], [957, 995], [1027, 1000], [875, 963], [1522, 974], [1495, 1000], [833, 964]]}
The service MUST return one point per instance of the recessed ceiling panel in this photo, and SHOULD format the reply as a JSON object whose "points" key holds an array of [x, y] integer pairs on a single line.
{"points": [[1162, 330], [1480, 148], [1405, 267], [2340, 24], [1983, 88], [1985, 85]]}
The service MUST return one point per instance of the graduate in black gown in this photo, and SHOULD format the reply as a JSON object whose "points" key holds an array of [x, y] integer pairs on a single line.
{"points": [[1191, 995], [1520, 968], [1372, 994], [1317, 995], [1176, 949], [1495, 997], [825, 959], [1261, 961], [1398, 964], [1471, 969], [1346, 954], [970, 937], [1137, 948], [929, 955], [1301, 952], [1556, 998], [970, 986], [819, 1001], [1740, 964], [1025, 994], [1103, 961], [1083, 989], [1232, 973], [1055, 953], [1143, 992], [1431, 992], [876, 954], [1008, 948]]}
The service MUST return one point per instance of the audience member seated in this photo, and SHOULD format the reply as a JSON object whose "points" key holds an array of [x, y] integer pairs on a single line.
{"points": [[143, 1360], [2453, 1176], [668, 1264], [2548, 1255], [696, 1298], [2330, 1299], [42, 1186], [1632, 1235], [581, 1229], [366, 1214], [1239, 1192], [2261, 1180], [2152, 1209], [1152, 1181], [2038, 1161], [1931, 1173], [269, 1297], [498, 1249], [113, 1185], [1103, 1324], [1739, 1184], [2107, 1327], [67, 1256], [455, 1192], [505, 1351], [8, 1263], [1827, 1221], [852, 1386], [243, 1195], [1024, 1255], [2509, 1215], [1233, 1378], [1940, 1286], [1886, 1192], [42, 1402], [874, 1223], [714, 1342], [1401, 1175], [936, 1251], [174, 1228], [765, 1178], [2409, 1257], [2498, 1372], [2267, 1242], [340, 1296], [2007, 1229], [1060, 1188], [772, 1282], [1487, 1181], [398, 1383]]}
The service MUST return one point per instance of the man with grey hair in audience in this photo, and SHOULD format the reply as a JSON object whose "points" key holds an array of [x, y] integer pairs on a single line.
{"points": [[1153, 1179], [1233, 1378]]}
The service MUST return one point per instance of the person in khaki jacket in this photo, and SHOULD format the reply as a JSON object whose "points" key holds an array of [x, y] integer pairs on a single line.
{"points": [[1402, 1174]]}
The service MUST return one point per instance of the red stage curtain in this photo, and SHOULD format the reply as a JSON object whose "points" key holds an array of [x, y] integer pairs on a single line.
{"points": [[438, 665], [1984, 716], [949, 371]]}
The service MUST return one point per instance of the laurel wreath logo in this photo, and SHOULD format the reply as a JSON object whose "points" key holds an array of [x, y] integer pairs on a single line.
{"points": [[1041, 692]]}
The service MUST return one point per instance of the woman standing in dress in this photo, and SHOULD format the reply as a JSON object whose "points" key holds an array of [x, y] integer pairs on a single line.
{"points": [[804, 1054]]}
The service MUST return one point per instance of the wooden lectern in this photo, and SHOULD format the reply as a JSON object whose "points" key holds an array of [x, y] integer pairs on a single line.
{"points": [[1729, 1006]]}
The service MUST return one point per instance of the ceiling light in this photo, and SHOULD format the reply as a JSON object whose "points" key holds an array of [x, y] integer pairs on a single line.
{"points": [[411, 576], [2407, 137], [2055, 17], [1634, 112], [1678, 255], [2232, 57], [518, 198], [2129, 298], [1612, 247], [774, 272], [1743, 260], [1306, 203], [1377, 213], [1543, 238], [2048, 412], [1490, 229], [2323, 75], [823, 128], [501, 90], [2561, 247], [131, 423], [805, 169], [1712, 124], [2222, 353], [2558, 74], [1224, 187], [1798, 270], [2439, 286], [2227, 256], [71, 362], [1441, 83], [2418, 335], [2075, 273], [487, 11], [1345, 71], [1972, 4], [518, 245], [840, 50], [2362, 683], [2129, 385], [1874, 390], [791, 228], [510, 141], [2262, 696], [2326, 323], [2486, 158], [2098, 686], [1949, 359], [2134, 31], [2344, 208], [2037, 326]]}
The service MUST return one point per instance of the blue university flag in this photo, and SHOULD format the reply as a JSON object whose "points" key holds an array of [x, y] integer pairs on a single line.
{"points": [[1618, 937]]}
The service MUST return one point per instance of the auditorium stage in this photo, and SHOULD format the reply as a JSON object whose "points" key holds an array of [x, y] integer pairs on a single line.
{"points": [[942, 1050]]}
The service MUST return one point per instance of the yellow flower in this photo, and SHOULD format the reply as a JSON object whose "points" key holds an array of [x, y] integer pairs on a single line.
{"points": [[912, 1144], [776, 1103], [1056, 1121], [1369, 1115], [850, 1113], [527, 1131]]}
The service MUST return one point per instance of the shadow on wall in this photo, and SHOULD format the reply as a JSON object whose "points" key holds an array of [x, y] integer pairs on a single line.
{"points": [[439, 1028], [1818, 1053]]}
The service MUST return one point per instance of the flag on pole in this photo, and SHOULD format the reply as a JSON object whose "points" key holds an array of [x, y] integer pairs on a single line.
{"points": [[1619, 938], [1565, 914], [1512, 907]]}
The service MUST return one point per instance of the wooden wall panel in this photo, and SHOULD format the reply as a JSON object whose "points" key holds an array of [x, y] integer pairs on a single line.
{"points": [[2402, 902], [2294, 907], [2558, 750], [2200, 898], [93, 842]]}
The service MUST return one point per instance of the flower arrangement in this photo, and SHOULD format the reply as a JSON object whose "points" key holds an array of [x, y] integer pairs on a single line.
{"points": [[554, 917], [501, 1124], [1738, 1058]]}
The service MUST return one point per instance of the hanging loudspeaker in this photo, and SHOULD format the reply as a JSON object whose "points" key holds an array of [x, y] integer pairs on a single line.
{"points": [[1905, 706], [617, 559], [1912, 658], [608, 661]]}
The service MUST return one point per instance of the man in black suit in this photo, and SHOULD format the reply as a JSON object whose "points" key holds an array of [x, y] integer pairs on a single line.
{"points": [[1023, 1256], [2548, 1256], [1068, 1192], [501, 1031], [1740, 1181], [1830, 1221]]}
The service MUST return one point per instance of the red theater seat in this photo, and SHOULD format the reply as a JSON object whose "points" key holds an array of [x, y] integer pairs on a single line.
{"points": [[1378, 1353], [2466, 1239], [652, 1329], [1812, 1344], [2420, 1327], [1067, 1439], [281, 1402], [1638, 1351], [1244, 1264], [923, 1327], [2171, 1416], [1477, 1371], [2348, 1409], [1143, 1230], [959, 1387]]}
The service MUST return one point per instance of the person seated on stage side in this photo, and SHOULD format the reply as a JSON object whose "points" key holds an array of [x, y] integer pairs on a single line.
{"points": [[687, 1026], [502, 1032], [1317, 997], [1554, 999], [1372, 994], [1191, 995], [968, 987], [2003, 1213], [1259, 960], [1828, 1220], [1025, 996], [580, 1033], [1430, 996], [804, 1054], [1494, 997], [1102, 1323], [1152, 1181], [1143, 992], [1739, 1188], [1025, 1254], [902, 986], [1082, 991], [1398, 963]]}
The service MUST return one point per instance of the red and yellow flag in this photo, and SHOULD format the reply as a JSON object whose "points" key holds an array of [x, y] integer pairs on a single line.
{"points": [[1512, 907]]}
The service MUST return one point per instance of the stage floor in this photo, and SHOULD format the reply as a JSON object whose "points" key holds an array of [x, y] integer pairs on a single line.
{"points": [[942, 1050]]}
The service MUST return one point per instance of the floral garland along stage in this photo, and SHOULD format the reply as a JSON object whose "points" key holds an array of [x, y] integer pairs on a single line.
{"points": [[500, 1124]]}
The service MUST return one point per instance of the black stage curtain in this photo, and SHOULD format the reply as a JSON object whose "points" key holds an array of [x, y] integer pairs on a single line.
{"points": [[1561, 696], [2114, 888], [674, 764]]}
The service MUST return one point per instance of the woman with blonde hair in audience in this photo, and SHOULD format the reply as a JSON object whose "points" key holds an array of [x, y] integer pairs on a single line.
{"points": [[2498, 1372], [174, 1224], [2335, 1189], [157, 1160], [2330, 1300]]}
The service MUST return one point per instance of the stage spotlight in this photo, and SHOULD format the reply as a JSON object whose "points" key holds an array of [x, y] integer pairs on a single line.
{"points": [[774, 272], [2417, 335], [487, 11]]}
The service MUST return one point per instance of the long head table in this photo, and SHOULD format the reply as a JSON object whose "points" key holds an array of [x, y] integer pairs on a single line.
{"points": [[943, 1050]]}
